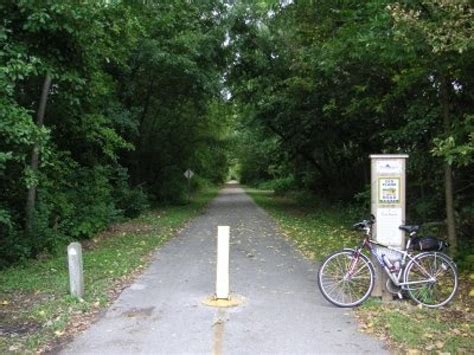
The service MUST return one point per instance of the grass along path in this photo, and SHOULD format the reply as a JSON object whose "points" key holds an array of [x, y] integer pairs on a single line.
{"points": [[318, 231], [36, 312]]}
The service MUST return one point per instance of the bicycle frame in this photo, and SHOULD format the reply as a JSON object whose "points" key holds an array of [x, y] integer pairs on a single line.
{"points": [[347, 277], [396, 275]]}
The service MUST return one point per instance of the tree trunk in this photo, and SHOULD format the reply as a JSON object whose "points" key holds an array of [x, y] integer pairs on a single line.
{"points": [[137, 176], [31, 196], [448, 173]]}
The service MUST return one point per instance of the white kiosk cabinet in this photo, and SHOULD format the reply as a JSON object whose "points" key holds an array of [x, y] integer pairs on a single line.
{"points": [[388, 186]]}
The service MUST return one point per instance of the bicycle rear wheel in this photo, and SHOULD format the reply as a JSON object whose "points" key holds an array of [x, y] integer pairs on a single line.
{"points": [[345, 279], [432, 279]]}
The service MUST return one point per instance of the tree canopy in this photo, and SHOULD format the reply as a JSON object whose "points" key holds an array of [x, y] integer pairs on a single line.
{"points": [[105, 104], [322, 84], [134, 100]]}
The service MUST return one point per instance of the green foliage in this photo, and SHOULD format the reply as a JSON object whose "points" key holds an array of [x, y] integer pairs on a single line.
{"points": [[298, 93], [258, 157], [329, 83], [38, 291], [457, 150], [466, 260], [316, 228], [281, 185], [135, 101], [130, 201], [75, 204], [173, 93], [414, 329]]}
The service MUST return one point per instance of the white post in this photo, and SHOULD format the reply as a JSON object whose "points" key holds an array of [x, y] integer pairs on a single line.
{"points": [[222, 279], [388, 206], [76, 276]]}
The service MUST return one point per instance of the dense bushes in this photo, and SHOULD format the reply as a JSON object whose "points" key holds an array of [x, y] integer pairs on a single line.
{"points": [[321, 85], [134, 101], [280, 185]]}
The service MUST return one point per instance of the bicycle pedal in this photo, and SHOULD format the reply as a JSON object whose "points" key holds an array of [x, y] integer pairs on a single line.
{"points": [[399, 294]]}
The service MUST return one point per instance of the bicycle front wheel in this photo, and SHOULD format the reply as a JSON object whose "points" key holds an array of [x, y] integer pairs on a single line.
{"points": [[431, 279], [346, 278]]}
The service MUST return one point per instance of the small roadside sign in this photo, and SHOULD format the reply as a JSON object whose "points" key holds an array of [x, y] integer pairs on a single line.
{"points": [[188, 174]]}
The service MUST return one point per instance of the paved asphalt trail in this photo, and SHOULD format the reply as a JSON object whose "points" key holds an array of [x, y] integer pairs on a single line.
{"points": [[284, 313]]}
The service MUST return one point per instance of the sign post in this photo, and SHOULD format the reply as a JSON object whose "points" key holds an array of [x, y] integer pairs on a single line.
{"points": [[388, 189], [188, 174]]}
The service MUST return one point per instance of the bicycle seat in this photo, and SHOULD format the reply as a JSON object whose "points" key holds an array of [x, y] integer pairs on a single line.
{"points": [[409, 229]]}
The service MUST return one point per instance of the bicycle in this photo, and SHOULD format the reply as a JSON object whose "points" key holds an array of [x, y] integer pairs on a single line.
{"points": [[346, 278]]}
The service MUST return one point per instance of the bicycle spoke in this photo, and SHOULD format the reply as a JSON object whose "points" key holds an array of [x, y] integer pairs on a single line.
{"points": [[441, 285], [338, 286], [359, 270], [333, 285]]}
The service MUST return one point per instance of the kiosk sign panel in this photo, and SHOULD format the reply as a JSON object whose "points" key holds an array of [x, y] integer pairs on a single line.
{"points": [[389, 190], [388, 207], [388, 198]]}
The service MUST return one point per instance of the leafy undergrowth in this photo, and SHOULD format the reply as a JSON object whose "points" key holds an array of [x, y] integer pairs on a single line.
{"points": [[36, 312], [415, 330], [318, 230]]}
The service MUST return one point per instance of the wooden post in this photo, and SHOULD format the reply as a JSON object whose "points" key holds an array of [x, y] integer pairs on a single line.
{"points": [[222, 274], [76, 274]]}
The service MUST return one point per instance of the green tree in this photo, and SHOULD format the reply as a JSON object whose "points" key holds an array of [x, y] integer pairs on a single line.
{"points": [[440, 31], [333, 82], [135, 90]]}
